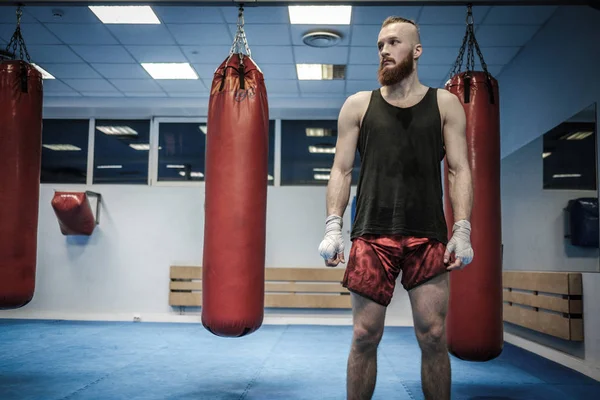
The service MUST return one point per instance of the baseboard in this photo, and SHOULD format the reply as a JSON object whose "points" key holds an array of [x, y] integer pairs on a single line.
{"points": [[554, 355]]}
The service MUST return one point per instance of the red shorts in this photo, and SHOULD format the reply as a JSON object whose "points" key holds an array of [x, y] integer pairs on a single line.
{"points": [[376, 261]]}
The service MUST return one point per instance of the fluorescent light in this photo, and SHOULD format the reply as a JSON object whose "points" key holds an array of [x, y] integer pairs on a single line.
{"points": [[566, 175], [117, 130], [45, 74], [577, 135], [109, 166], [313, 72], [62, 147], [170, 70], [546, 154], [270, 177], [317, 149], [318, 132], [176, 166], [203, 128], [321, 177], [192, 174], [125, 14], [140, 146], [321, 169], [320, 15]]}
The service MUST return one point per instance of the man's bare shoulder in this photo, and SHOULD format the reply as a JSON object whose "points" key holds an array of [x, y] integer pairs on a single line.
{"points": [[448, 102], [357, 104]]}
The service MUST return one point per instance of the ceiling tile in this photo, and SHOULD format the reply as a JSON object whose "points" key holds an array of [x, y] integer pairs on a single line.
{"points": [[82, 33], [142, 34], [121, 71], [62, 94], [498, 55], [298, 31], [365, 35], [189, 94], [53, 53], [201, 34], [450, 15], [206, 54], [69, 14], [136, 85], [310, 55], [72, 70], [436, 72], [442, 35], [32, 34], [361, 72], [439, 55], [102, 94], [275, 86], [55, 85], [279, 71], [258, 15], [145, 94], [205, 71], [272, 54], [264, 34], [182, 86], [9, 14], [514, 15], [505, 35], [364, 55], [336, 87], [157, 54], [90, 85], [103, 54], [188, 15], [377, 14], [353, 86]]}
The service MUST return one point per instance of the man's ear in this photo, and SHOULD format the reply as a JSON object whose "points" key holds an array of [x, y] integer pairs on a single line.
{"points": [[417, 51]]}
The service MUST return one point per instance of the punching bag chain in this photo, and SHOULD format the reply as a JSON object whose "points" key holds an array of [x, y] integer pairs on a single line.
{"points": [[240, 43], [469, 45], [17, 39]]}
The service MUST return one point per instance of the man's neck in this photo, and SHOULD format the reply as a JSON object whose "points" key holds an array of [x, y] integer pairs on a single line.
{"points": [[403, 89]]}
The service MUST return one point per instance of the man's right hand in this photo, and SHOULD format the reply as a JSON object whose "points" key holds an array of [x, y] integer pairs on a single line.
{"points": [[332, 246]]}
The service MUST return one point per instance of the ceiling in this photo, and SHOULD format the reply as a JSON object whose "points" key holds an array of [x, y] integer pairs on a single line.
{"points": [[93, 61]]}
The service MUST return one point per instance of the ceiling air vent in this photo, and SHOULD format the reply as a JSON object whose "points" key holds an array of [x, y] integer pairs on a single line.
{"points": [[321, 39]]}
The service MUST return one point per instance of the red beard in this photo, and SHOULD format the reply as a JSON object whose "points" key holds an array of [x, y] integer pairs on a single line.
{"points": [[397, 73]]}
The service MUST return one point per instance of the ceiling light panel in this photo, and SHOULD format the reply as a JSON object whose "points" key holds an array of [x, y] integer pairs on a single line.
{"points": [[125, 14]]}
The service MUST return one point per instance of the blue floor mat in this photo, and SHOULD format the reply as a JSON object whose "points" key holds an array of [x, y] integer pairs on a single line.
{"points": [[60, 360]]}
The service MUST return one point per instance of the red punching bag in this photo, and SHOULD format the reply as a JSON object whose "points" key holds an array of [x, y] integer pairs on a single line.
{"points": [[474, 320], [237, 151], [21, 97], [74, 214]]}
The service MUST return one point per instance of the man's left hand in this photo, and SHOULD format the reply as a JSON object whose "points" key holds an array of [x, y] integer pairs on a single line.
{"points": [[460, 245]]}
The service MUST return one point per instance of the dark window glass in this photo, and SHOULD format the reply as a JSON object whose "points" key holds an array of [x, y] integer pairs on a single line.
{"points": [[569, 153], [307, 152], [121, 151], [182, 146], [64, 150]]}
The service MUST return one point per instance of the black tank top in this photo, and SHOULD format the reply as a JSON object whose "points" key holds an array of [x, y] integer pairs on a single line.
{"points": [[400, 182]]}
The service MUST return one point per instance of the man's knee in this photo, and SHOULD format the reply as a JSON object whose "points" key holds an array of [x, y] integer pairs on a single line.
{"points": [[366, 337], [432, 336]]}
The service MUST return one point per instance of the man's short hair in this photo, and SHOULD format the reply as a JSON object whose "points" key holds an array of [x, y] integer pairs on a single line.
{"points": [[395, 19]]}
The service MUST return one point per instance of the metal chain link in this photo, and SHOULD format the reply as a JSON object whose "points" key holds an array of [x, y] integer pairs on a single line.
{"points": [[240, 42], [469, 45], [17, 39]]}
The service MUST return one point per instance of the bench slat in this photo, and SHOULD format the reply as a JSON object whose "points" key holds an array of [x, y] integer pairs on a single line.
{"points": [[291, 287], [548, 323], [194, 299], [552, 303], [550, 282]]}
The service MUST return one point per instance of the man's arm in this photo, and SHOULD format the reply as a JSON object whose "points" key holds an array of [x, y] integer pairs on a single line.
{"points": [[338, 188], [459, 172]]}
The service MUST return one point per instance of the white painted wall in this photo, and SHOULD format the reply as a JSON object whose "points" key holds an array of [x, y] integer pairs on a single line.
{"points": [[553, 78]]}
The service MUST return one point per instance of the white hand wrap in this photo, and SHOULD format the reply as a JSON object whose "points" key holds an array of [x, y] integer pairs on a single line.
{"points": [[460, 243], [333, 243]]}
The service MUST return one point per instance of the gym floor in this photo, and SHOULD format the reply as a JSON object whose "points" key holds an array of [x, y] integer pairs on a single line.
{"points": [[54, 360]]}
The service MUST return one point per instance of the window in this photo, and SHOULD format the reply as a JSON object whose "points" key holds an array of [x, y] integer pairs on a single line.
{"points": [[307, 152], [121, 151], [64, 151], [182, 147], [569, 153]]}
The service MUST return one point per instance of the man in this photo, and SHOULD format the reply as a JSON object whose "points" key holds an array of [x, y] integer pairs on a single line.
{"points": [[402, 131]]}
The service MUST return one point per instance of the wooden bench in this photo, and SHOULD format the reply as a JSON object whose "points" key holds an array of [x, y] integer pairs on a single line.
{"points": [[284, 288], [547, 302]]}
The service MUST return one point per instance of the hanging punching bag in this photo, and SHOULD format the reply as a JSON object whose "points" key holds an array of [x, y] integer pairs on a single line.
{"points": [[237, 150], [474, 325], [21, 98], [474, 320]]}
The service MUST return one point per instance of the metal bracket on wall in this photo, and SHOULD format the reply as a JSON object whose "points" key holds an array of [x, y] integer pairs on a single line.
{"points": [[98, 198]]}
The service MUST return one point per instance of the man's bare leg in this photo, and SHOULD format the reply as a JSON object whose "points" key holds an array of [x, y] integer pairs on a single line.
{"points": [[429, 306], [368, 320]]}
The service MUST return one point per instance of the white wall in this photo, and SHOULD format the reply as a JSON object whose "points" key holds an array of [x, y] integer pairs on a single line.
{"points": [[553, 78], [123, 268]]}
